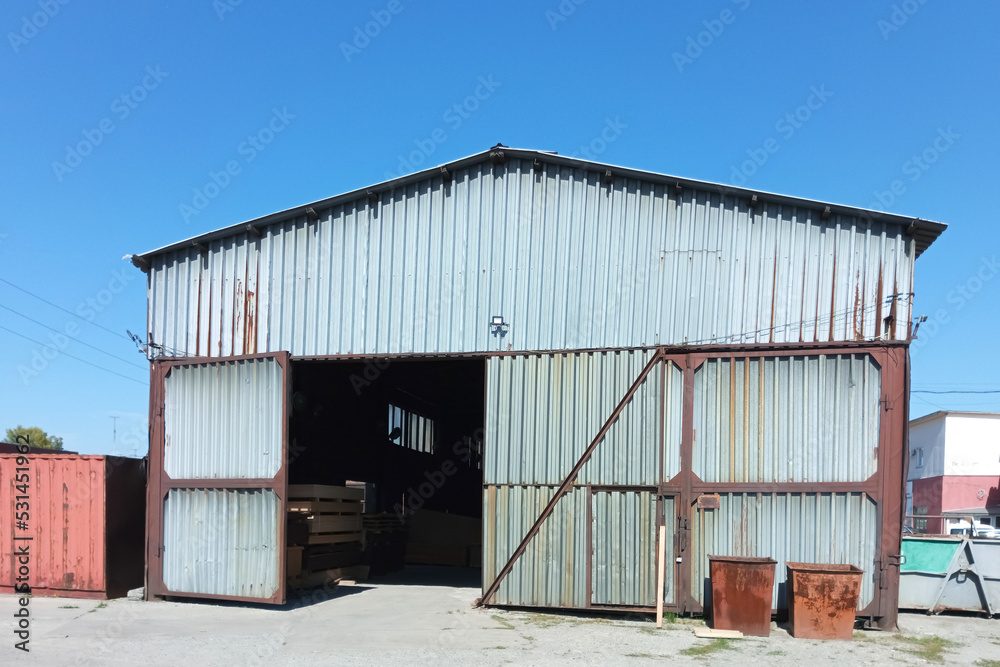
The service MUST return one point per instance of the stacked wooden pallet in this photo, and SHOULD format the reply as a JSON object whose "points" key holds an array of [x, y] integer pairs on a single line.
{"points": [[324, 534], [330, 514]]}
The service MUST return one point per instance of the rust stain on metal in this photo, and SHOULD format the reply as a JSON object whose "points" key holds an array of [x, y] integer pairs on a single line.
{"points": [[234, 317], [878, 311], [250, 324], [802, 303], [854, 315], [248, 331], [822, 599], [864, 296], [742, 590], [833, 294], [892, 309], [732, 422], [65, 525], [746, 418], [819, 297], [760, 420], [774, 291], [211, 296], [197, 317]]}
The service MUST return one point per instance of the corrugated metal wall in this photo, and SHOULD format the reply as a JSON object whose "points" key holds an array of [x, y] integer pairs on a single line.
{"points": [[765, 419], [569, 262], [224, 420], [787, 419], [65, 519], [624, 548], [799, 527], [552, 572], [221, 542], [543, 411]]}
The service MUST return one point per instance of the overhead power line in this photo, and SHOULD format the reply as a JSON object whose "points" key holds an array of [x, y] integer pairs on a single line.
{"points": [[42, 324], [106, 370], [955, 391], [69, 312]]}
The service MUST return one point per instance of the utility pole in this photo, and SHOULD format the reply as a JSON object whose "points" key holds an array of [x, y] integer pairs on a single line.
{"points": [[114, 433]]}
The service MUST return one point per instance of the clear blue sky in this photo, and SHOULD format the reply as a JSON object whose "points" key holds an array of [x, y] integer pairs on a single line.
{"points": [[161, 95]]}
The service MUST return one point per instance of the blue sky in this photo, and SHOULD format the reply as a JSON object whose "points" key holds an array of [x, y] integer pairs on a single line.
{"points": [[843, 102]]}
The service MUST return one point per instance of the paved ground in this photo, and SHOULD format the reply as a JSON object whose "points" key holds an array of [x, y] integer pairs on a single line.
{"points": [[415, 624]]}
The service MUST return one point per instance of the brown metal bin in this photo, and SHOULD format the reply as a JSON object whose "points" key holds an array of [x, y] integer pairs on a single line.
{"points": [[822, 599], [742, 589]]}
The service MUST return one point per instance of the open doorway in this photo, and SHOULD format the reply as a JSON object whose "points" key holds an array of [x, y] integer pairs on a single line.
{"points": [[403, 439]]}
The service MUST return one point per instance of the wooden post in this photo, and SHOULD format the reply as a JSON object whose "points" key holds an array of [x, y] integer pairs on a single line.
{"points": [[660, 557]]}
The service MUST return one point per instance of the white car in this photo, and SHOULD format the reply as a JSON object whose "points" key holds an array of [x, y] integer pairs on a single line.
{"points": [[979, 530]]}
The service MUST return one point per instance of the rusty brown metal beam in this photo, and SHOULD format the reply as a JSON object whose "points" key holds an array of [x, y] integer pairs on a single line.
{"points": [[567, 483]]}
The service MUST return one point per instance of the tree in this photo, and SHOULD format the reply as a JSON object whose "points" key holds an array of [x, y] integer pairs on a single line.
{"points": [[36, 437]]}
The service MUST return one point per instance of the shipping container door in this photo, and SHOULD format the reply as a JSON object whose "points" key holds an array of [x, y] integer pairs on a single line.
{"points": [[217, 478]]}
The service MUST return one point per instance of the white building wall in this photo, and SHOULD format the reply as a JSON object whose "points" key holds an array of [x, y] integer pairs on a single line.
{"points": [[972, 445], [927, 448]]}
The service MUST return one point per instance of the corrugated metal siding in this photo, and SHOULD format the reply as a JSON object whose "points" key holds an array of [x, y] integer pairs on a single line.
{"points": [[66, 496], [552, 571], [673, 406], [543, 411], [624, 549], [787, 419], [838, 528], [224, 420], [221, 542], [670, 522], [569, 262]]}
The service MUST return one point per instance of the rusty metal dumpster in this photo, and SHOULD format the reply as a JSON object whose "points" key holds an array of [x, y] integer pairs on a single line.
{"points": [[822, 599], [742, 588]]}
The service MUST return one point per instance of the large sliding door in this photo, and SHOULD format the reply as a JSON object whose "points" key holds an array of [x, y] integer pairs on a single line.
{"points": [[792, 454]]}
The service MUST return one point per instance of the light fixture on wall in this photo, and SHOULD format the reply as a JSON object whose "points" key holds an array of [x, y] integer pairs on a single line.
{"points": [[497, 326]]}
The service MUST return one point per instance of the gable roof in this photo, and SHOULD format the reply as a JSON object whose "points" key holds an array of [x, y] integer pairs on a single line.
{"points": [[924, 232]]}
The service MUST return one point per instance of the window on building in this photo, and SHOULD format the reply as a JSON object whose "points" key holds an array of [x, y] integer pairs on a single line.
{"points": [[920, 525], [411, 430], [985, 520], [920, 457]]}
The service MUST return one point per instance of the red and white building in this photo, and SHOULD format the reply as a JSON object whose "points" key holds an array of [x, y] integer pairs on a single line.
{"points": [[954, 469]]}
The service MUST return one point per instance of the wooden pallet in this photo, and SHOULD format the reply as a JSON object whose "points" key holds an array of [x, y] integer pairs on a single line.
{"points": [[374, 523], [333, 538], [324, 492], [323, 514], [325, 506]]}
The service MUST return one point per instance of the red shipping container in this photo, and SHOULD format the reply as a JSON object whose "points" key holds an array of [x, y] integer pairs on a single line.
{"points": [[85, 517]]}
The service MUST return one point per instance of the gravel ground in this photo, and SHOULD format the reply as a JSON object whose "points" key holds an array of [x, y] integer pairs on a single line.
{"points": [[393, 623]]}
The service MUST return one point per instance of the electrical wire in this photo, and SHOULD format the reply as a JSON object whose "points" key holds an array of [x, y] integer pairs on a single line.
{"points": [[70, 312], [106, 370], [41, 324], [955, 391]]}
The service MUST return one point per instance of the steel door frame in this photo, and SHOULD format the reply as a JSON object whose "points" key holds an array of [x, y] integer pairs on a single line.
{"points": [[160, 483]]}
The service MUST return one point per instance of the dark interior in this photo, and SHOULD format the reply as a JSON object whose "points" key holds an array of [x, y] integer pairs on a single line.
{"points": [[411, 431]]}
